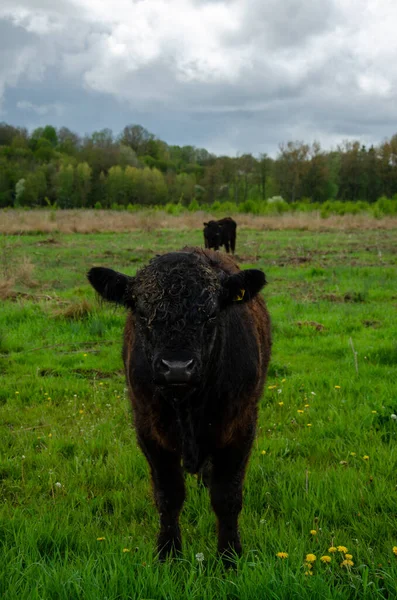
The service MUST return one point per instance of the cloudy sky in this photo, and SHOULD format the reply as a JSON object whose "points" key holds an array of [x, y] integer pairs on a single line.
{"points": [[232, 76]]}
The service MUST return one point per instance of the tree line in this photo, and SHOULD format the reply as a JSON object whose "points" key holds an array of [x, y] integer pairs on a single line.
{"points": [[50, 167]]}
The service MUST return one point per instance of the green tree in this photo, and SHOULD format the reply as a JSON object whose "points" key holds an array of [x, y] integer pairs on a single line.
{"points": [[184, 188], [31, 191], [50, 134], [153, 189], [19, 191], [262, 170], [131, 185], [7, 132], [352, 182], [82, 184], [65, 186], [44, 150], [68, 142], [212, 181], [290, 169], [138, 138], [115, 189], [316, 180], [34, 137]]}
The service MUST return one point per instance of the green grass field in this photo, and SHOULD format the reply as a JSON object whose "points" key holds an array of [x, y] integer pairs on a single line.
{"points": [[77, 519]]}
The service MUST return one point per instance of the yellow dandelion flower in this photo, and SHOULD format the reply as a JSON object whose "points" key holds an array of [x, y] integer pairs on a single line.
{"points": [[100, 539], [17, 393], [282, 554], [308, 573], [100, 383], [50, 435], [352, 454], [325, 559], [85, 355], [337, 387], [271, 387], [313, 532], [395, 550], [281, 403], [48, 398], [310, 558], [283, 380], [366, 457], [332, 549], [263, 452], [81, 411], [374, 412], [342, 549], [348, 556], [309, 425], [307, 405], [300, 411], [347, 563], [126, 550]]}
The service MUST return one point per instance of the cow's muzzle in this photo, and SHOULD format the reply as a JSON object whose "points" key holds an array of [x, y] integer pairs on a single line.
{"points": [[175, 372]]}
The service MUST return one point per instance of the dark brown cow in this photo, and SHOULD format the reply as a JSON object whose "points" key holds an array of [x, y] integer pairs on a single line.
{"points": [[196, 351]]}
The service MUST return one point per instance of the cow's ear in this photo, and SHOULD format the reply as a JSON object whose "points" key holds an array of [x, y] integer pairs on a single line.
{"points": [[242, 286], [111, 285], [205, 224]]}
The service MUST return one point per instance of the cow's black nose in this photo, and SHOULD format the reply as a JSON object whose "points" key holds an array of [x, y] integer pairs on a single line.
{"points": [[176, 371]]}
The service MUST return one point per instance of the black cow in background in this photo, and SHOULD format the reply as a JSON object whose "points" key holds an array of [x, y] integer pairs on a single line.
{"points": [[220, 233]]}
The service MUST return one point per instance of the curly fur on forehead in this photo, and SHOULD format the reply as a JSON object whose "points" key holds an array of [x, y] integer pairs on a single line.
{"points": [[175, 286]]}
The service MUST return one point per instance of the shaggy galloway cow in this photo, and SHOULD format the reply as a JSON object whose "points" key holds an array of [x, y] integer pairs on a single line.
{"points": [[220, 233], [196, 351]]}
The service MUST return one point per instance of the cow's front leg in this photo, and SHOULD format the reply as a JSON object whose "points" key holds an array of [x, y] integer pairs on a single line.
{"points": [[169, 494], [227, 247], [227, 478]]}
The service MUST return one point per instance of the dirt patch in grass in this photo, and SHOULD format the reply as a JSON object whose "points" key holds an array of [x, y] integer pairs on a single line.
{"points": [[317, 326], [332, 297], [245, 259], [7, 293], [95, 374], [375, 324], [292, 260], [50, 241], [85, 373], [347, 297]]}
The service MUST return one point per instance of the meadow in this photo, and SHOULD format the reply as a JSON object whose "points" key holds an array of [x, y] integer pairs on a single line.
{"points": [[77, 520]]}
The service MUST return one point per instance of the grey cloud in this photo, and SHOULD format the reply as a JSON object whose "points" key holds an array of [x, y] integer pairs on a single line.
{"points": [[282, 25]]}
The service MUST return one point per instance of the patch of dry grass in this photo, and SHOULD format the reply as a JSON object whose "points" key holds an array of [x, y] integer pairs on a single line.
{"points": [[75, 311], [14, 271], [100, 221], [6, 289], [23, 271]]}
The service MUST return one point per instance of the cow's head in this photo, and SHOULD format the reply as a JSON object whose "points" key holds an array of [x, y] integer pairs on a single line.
{"points": [[177, 300], [213, 234]]}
